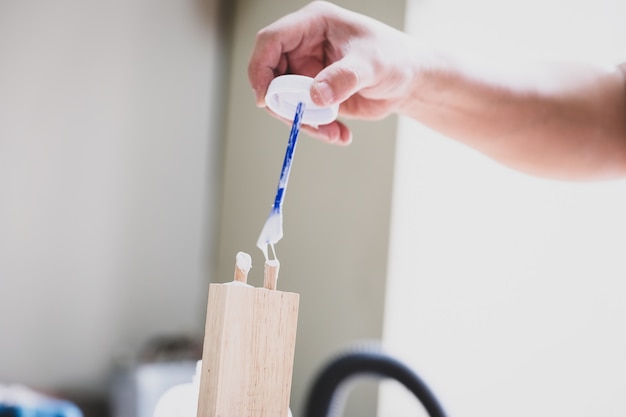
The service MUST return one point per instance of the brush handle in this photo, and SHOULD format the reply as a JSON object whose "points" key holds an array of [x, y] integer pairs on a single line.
{"points": [[291, 147]]}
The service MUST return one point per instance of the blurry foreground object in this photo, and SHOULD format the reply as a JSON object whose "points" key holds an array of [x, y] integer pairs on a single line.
{"points": [[330, 387], [20, 401], [163, 363]]}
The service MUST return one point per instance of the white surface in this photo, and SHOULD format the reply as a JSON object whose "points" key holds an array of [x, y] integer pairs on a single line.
{"points": [[507, 293], [180, 400], [136, 391]]}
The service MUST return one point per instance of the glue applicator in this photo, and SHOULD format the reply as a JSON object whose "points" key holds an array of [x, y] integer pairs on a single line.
{"points": [[289, 97]]}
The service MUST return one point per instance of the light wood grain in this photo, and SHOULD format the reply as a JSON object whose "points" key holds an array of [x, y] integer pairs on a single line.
{"points": [[270, 274], [243, 262], [249, 345], [241, 275]]}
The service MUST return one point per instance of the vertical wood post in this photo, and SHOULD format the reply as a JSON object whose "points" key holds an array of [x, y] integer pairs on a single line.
{"points": [[249, 346]]}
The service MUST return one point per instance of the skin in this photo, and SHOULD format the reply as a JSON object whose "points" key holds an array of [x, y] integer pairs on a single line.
{"points": [[562, 121]]}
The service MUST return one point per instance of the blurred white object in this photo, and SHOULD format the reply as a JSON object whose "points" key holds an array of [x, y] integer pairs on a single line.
{"points": [[182, 400], [135, 392]]}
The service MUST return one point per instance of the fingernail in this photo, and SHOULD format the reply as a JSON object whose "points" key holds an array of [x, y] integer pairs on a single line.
{"points": [[260, 98], [321, 93]]}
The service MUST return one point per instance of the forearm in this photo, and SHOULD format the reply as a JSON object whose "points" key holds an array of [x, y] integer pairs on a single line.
{"points": [[566, 122]]}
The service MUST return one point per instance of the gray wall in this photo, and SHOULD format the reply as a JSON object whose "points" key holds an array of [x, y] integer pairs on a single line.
{"points": [[108, 179], [336, 212]]}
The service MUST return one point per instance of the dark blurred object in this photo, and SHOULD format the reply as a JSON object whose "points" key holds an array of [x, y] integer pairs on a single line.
{"points": [[328, 389], [171, 349], [91, 406], [165, 361]]}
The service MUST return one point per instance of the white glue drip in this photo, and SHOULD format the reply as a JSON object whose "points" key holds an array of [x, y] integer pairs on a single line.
{"points": [[243, 261], [239, 284], [266, 252]]}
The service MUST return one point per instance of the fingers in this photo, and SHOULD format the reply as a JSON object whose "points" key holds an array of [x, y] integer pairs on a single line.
{"points": [[340, 80], [295, 31], [264, 63], [336, 133], [299, 43]]}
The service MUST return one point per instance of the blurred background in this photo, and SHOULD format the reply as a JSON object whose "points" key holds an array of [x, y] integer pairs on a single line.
{"points": [[134, 165], [110, 149]]}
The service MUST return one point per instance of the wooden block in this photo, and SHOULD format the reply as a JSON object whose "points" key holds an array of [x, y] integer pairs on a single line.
{"points": [[249, 346]]}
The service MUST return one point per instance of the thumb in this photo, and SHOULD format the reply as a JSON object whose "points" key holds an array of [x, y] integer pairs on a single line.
{"points": [[340, 80]]}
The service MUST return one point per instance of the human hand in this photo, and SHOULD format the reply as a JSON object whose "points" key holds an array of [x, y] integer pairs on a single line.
{"points": [[361, 63]]}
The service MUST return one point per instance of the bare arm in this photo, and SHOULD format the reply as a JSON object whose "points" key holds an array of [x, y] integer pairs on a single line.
{"points": [[565, 121], [558, 121]]}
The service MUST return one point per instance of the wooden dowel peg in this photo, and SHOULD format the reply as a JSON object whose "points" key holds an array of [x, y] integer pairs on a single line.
{"points": [[270, 274], [243, 263]]}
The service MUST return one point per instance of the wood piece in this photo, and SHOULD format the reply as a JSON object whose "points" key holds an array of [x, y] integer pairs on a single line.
{"points": [[242, 266], [241, 275], [270, 274], [249, 346]]}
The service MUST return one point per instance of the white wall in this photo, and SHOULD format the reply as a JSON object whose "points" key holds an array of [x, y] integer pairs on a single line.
{"points": [[108, 182], [336, 210], [515, 286]]}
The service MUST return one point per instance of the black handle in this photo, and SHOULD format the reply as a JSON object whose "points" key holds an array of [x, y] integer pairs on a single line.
{"points": [[365, 362]]}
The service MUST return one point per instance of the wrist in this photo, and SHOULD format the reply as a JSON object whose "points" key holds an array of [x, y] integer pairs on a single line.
{"points": [[427, 80]]}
